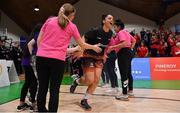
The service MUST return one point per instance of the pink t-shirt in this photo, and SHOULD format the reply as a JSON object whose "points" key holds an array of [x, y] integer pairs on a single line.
{"points": [[122, 35], [55, 40]]}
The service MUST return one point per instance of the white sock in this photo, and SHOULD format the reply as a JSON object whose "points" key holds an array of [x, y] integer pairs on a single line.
{"points": [[77, 81], [86, 96]]}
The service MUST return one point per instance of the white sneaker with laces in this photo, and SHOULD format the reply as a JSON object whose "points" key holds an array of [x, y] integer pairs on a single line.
{"points": [[123, 97]]}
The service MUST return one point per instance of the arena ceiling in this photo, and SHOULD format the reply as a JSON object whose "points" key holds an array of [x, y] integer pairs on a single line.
{"points": [[21, 11]]}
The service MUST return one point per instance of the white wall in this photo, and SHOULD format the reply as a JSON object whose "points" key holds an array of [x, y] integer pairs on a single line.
{"points": [[170, 23], [89, 14], [14, 31]]}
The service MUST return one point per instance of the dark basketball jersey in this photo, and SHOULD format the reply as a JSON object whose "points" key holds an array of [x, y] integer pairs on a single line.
{"points": [[96, 36]]}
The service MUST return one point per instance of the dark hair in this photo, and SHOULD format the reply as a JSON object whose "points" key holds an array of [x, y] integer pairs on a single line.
{"points": [[119, 23], [35, 30], [103, 18]]}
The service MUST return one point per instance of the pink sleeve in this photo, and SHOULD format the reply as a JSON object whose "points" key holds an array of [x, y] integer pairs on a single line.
{"points": [[75, 34], [132, 39], [111, 43], [122, 36], [45, 25]]}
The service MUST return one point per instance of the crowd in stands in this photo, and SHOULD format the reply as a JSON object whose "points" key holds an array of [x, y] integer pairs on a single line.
{"points": [[157, 43], [11, 51]]}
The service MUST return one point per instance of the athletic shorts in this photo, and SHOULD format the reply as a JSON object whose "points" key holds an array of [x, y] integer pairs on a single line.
{"points": [[91, 62]]}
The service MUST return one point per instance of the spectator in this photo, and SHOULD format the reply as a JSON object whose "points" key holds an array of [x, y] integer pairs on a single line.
{"points": [[142, 51], [176, 50]]}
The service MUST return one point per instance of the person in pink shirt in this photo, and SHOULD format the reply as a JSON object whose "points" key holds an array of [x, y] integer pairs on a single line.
{"points": [[123, 44], [53, 42]]}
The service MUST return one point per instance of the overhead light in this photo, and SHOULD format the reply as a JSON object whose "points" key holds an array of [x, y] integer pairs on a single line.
{"points": [[36, 8]]}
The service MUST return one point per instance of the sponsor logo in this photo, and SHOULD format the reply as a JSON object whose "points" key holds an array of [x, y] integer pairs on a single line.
{"points": [[165, 68], [125, 83]]}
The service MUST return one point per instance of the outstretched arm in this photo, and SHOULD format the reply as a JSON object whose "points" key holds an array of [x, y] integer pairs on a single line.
{"points": [[74, 49], [39, 38], [85, 45], [30, 45]]}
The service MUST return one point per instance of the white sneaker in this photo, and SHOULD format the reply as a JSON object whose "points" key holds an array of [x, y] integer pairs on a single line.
{"points": [[75, 76], [115, 90], [33, 108], [123, 97], [131, 94], [111, 90], [105, 86]]}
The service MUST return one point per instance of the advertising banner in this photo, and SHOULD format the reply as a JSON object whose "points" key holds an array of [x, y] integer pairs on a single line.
{"points": [[165, 68], [140, 68], [13, 77], [4, 78]]}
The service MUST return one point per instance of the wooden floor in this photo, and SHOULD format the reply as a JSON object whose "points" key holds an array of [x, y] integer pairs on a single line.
{"points": [[145, 101]]}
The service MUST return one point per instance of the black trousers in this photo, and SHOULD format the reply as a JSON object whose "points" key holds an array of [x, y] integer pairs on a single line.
{"points": [[18, 67], [30, 84], [49, 71], [110, 69], [125, 56]]}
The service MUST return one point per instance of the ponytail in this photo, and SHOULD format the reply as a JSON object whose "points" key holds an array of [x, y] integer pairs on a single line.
{"points": [[64, 12]]}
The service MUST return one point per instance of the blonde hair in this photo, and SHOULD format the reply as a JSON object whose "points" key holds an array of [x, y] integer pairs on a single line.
{"points": [[66, 10]]}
